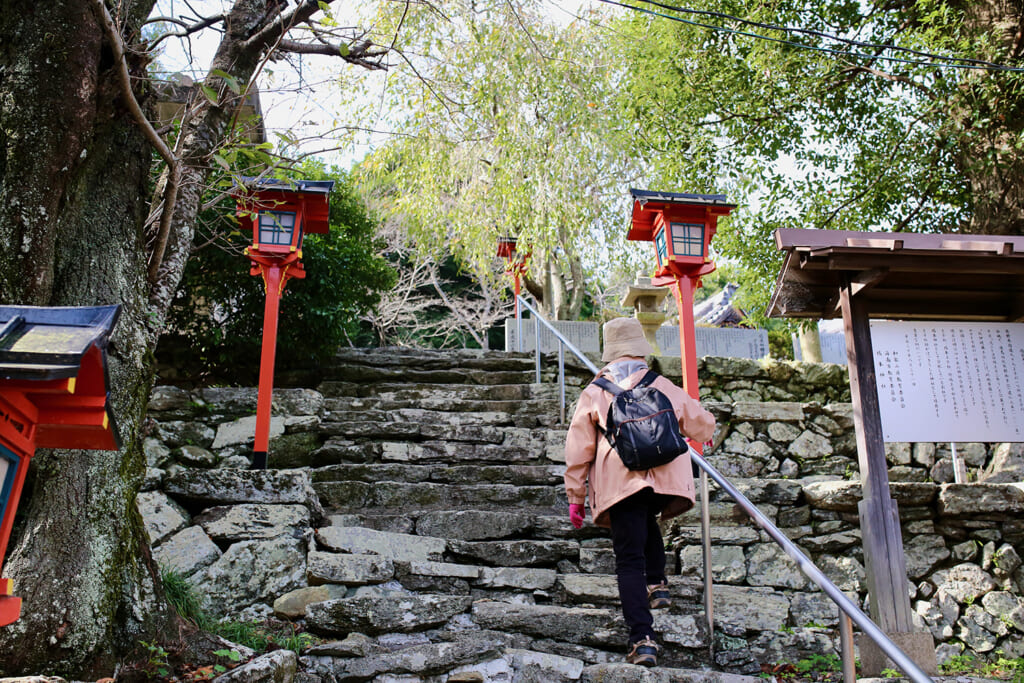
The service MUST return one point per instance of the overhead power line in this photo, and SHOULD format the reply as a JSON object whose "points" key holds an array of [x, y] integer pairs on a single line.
{"points": [[947, 62]]}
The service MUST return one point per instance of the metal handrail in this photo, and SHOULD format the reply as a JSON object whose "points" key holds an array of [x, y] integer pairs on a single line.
{"points": [[563, 344], [849, 609]]}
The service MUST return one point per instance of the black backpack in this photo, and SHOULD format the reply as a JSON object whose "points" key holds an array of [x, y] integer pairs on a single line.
{"points": [[642, 426]]}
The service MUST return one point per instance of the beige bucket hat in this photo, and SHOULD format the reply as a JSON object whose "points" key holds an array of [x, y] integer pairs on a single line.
{"points": [[624, 337]]}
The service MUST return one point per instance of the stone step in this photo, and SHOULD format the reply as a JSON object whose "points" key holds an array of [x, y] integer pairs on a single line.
{"points": [[355, 496], [428, 452], [521, 412], [398, 356], [433, 392], [382, 426], [517, 475], [351, 373]]}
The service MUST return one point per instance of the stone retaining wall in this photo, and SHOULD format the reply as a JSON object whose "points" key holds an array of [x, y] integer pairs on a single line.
{"points": [[785, 437]]}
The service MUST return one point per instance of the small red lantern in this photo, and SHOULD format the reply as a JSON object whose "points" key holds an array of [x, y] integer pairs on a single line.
{"points": [[279, 213], [681, 227], [515, 265], [53, 394]]}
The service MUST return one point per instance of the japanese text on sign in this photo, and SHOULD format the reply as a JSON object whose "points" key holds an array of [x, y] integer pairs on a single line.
{"points": [[950, 381]]}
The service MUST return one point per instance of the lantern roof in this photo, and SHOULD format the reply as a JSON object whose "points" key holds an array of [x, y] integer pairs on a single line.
{"points": [[41, 343], [55, 359], [286, 185], [267, 194], [648, 204]]}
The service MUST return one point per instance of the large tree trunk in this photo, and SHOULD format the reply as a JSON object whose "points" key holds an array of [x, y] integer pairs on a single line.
{"points": [[73, 168], [988, 119]]}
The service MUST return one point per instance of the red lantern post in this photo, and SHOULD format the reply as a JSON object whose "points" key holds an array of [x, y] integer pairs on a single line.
{"points": [[515, 265], [681, 227], [279, 213], [53, 394]]}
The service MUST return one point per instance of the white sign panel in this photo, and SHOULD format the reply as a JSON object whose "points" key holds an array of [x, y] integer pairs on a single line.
{"points": [[833, 341], [582, 335], [950, 381], [725, 342]]}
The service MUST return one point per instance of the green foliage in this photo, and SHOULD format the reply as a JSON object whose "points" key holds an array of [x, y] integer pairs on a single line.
{"points": [[255, 635], [1002, 668], [890, 673], [216, 321], [182, 596], [507, 129], [157, 662], [818, 663], [803, 138]]}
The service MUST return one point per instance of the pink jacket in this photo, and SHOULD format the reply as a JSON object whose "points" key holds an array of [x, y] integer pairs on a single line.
{"points": [[590, 460]]}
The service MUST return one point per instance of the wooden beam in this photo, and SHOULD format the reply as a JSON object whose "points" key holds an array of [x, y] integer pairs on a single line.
{"points": [[885, 563], [867, 279]]}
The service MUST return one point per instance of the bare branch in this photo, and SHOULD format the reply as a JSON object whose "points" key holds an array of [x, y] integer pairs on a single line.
{"points": [[187, 29], [173, 167], [360, 54]]}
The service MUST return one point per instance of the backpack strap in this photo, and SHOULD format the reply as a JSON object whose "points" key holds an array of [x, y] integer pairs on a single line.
{"points": [[647, 379], [611, 387]]}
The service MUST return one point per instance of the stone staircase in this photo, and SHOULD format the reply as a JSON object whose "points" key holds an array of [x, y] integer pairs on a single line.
{"points": [[450, 465], [426, 533]]}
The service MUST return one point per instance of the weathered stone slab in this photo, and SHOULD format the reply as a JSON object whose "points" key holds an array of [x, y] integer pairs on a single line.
{"points": [[395, 547], [292, 605], [278, 666], [252, 572], [924, 553], [620, 672], [767, 412], [417, 660], [187, 551], [392, 613], [161, 515], [226, 487], [180, 433], [243, 431], [442, 569], [769, 565], [230, 523], [595, 626], [539, 666], [350, 570], [518, 578], [516, 553], [957, 500], [728, 563], [964, 582], [742, 609], [473, 525]]}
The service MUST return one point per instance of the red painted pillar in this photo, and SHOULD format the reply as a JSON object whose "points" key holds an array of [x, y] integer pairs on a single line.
{"points": [[684, 287], [273, 284]]}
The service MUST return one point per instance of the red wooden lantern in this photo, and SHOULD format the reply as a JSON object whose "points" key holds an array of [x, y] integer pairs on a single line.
{"points": [[279, 213], [681, 227], [53, 394], [515, 265]]}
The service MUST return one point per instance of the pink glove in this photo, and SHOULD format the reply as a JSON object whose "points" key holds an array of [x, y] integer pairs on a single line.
{"points": [[576, 514]]}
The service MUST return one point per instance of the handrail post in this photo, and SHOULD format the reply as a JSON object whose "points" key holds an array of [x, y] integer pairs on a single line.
{"points": [[561, 382], [705, 534], [846, 648], [536, 343], [519, 326]]}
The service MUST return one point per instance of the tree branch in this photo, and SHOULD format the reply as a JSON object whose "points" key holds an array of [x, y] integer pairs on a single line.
{"points": [[187, 29], [173, 167], [361, 54]]}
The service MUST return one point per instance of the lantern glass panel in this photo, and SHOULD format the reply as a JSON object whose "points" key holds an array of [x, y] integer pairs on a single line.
{"points": [[8, 470], [659, 247], [276, 227], [688, 239]]}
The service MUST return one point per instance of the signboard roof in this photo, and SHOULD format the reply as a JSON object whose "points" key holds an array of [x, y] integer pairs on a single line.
{"points": [[908, 276]]}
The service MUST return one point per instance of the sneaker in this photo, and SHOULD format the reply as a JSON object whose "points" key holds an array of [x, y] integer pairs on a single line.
{"points": [[644, 653], [658, 596]]}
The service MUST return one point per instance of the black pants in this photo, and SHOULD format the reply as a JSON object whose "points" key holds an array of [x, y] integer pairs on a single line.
{"points": [[639, 557]]}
